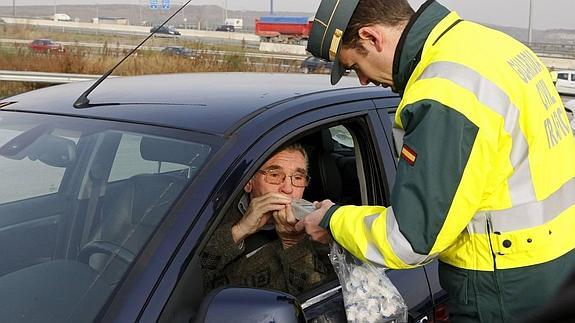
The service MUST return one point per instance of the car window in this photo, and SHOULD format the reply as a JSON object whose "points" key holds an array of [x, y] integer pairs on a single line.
{"points": [[563, 76], [334, 155], [79, 200], [573, 77]]}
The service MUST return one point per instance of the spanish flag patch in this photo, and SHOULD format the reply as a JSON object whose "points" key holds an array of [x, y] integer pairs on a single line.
{"points": [[409, 155]]}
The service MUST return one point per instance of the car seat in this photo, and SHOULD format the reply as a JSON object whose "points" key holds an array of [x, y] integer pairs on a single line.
{"points": [[131, 211], [325, 175]]}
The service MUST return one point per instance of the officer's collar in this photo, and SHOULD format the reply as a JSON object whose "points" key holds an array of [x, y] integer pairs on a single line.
{"points": [[410, 46]]}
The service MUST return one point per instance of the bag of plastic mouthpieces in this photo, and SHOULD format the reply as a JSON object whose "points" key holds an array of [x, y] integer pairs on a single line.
{"points": [[368, 294]]}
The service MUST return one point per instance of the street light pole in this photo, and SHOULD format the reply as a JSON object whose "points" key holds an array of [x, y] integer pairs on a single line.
{"points": [[530, 18], [184, 14], [13, 8]]}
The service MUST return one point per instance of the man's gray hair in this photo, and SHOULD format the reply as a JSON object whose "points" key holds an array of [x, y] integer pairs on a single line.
{"points": [[294, 146]]}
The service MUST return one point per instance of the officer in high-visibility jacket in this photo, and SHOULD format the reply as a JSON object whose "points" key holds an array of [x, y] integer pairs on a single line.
{"points": [[486, 174]]}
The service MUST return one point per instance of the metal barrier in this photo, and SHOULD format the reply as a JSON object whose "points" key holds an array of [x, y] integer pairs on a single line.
{"points": [[553, 50], [43, 77]]}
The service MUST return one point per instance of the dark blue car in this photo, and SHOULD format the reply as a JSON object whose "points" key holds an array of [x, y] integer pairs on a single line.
{"points": [[105, 209]]}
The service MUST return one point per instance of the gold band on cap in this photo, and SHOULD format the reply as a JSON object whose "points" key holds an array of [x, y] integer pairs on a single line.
{"points": [[335, 41], [327, 26]]}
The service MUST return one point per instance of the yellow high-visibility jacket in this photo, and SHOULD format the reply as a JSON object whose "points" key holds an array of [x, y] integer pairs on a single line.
{"points": [[486, 176]]}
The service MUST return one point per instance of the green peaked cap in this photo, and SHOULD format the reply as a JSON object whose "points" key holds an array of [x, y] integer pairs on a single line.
{"points": [[330, 23]]}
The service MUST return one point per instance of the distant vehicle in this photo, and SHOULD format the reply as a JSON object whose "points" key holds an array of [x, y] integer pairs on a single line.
{"points": [[283, 29], [229, 28], [61, 17], [237, 23], [178, 51], [45, 46], [315, 65], [566, 82], [169, 30]]}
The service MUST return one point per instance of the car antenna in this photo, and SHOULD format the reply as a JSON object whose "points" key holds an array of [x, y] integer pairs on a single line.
{"points": [[82, 101]]}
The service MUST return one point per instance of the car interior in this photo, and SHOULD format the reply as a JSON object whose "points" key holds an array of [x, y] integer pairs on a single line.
{"points": [[332, 167]]}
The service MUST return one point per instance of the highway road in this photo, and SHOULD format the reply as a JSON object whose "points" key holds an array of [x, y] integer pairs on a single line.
{"points": [[207, 37], [553, 55]]}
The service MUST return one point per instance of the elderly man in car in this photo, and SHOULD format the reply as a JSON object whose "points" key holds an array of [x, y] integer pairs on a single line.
{"points": [[258, 245]]}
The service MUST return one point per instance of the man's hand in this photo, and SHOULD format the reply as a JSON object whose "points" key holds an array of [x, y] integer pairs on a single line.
{"points": [[258, 214], [285, 227], [311, 222]]}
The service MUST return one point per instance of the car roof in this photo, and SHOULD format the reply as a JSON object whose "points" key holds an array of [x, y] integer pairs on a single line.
{"points": [[206, 102]]}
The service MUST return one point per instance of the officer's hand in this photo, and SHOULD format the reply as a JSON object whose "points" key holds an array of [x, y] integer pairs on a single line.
{"points": [[311, 222], [285, 227], [258, 214]]}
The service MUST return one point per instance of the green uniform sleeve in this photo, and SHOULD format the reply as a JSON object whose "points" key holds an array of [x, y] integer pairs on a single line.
{"points": [[424, 192]]}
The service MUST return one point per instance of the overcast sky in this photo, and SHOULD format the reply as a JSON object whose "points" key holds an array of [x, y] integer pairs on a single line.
{"points": [[546, 14]]}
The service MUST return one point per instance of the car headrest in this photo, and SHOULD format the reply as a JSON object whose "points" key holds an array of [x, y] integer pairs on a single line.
{"points": [[165, 150], [327, 140]]}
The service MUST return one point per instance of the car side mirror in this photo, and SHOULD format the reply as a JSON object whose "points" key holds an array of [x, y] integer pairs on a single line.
{"points": [[242, 304]]}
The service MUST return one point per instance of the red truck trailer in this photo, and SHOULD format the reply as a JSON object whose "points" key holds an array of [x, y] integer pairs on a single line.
{"points": [[283, 29]]}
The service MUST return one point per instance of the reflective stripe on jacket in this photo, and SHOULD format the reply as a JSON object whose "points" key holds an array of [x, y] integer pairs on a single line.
{"points": [[486, 179]]}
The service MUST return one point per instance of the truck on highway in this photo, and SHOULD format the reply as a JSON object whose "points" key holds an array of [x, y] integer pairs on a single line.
{"points": [[237, 23], [283, 29]]}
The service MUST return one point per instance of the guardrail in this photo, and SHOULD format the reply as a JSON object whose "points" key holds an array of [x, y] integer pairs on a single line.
{"points": [[44, 77], [99, 48], [553, 50], [61, 78]]}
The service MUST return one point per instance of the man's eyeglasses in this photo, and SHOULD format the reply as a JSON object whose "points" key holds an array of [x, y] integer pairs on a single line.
{"points": [[276, 176]]}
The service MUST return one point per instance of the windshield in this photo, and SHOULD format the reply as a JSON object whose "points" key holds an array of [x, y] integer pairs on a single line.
{"points": [[79, 199]]}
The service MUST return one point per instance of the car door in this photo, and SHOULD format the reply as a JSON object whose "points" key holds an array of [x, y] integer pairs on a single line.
{"points": [[363, 125]]}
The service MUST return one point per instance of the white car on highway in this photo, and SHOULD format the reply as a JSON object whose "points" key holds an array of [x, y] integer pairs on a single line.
{"points": [[566, 82]]}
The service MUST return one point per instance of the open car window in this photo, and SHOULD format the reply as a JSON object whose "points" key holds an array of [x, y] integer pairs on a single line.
{"points": [[342, 167]]}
